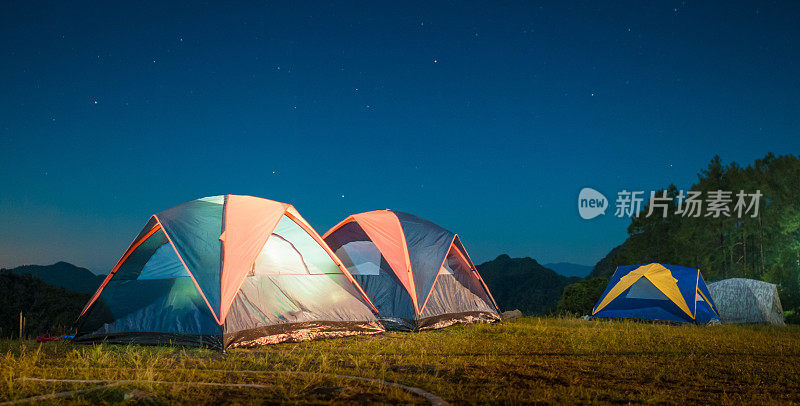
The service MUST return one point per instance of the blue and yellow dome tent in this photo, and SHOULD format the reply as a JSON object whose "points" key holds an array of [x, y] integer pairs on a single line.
{"points": [[657, 292]]}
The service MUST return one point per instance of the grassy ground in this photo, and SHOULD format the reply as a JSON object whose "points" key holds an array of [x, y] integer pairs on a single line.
{"points": [[527, 360]]}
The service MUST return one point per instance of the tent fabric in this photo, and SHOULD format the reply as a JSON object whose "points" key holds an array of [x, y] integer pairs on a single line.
{"points": [[386, 232], [416, 273], [194, 229], [742, 300], [657, 292], [249, 222], [351, 245], [223, 272], [427, 245]]}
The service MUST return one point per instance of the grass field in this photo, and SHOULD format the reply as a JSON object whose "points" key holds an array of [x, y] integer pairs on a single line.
{"points": [[527, 360]]}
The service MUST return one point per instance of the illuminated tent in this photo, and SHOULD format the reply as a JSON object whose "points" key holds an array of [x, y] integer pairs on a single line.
{"points": [[418, 275], [226, 271], [742, 300], [657, 292]]}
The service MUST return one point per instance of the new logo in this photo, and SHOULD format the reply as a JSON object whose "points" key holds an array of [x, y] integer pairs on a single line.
{"points": [[591, 203]]}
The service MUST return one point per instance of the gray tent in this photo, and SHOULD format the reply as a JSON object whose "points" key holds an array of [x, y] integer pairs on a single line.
{"points": [[742, 300]]}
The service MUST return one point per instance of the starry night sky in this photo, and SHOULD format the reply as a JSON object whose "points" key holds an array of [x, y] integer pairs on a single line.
{"points": [[486, 118]]}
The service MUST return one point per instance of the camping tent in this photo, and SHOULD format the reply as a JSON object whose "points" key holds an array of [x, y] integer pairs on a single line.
{"points": [[747, 301], [418, 275], [657, 292], [226, 271]]}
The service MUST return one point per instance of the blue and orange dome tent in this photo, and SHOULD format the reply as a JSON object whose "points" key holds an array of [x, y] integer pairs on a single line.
{"points": [[226, 271], [416, 273]]}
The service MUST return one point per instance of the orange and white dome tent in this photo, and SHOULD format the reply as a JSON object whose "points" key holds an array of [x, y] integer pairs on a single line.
{"points": [[417, 274], [226, 271]]}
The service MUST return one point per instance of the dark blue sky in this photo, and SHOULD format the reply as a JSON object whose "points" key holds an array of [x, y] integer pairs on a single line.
{"points": [[486, 118]]}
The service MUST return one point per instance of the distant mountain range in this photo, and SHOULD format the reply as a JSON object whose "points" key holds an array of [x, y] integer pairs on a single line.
{"points": [[524, 284], [570, 269], [62, 274], [515, 283]]}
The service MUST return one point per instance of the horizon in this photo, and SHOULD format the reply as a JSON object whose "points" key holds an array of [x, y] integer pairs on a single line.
{"points": [[98, 273], [486, 121]]}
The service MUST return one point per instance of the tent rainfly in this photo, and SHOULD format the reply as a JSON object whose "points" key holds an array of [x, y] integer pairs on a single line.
{"points": [[418, 275], [742, 300], [657, 292], [226, 271]]}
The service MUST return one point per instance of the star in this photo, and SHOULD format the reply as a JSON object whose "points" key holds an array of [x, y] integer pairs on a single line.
{"points": [[435, 61]]}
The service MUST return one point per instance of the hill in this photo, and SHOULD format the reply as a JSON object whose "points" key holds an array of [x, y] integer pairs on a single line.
{"points": [[570, 269], [523, 283], [48, 309], [62, 274]]}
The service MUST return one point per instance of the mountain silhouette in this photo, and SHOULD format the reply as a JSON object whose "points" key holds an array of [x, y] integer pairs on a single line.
{"points": [[64, 275], [524, 284]]}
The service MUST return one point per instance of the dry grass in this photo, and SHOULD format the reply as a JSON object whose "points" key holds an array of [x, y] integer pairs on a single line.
{"points": [[528, 360]]}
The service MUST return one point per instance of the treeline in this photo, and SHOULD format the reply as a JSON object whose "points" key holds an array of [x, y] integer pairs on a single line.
{"points": [[46, 308], [765, 247]]}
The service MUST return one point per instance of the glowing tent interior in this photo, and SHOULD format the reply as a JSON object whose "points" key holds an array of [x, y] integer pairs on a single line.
{"points": [[418, 275], [226, 271]]}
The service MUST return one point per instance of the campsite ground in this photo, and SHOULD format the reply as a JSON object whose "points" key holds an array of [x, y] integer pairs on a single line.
{"points": [[526, 360]]}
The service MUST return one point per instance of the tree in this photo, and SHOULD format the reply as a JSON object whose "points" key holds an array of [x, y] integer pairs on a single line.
{"points": [[765, 247]]}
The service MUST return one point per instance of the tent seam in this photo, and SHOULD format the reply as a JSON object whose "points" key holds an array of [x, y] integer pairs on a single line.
{"points": [[132, 247], [197, 285]]}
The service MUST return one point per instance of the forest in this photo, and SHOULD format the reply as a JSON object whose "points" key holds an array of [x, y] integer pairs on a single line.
{"points": [[765, 246]]}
